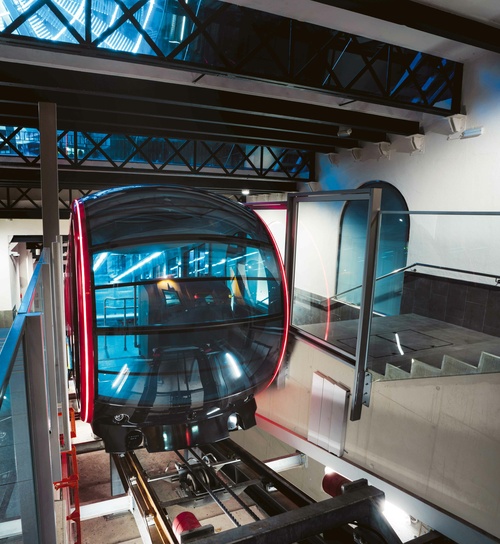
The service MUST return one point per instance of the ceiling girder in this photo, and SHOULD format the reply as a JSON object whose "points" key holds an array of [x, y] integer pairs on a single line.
{"points": [[236, 41], [236, 128], [93, 179], [426, 19], [24, 201], [114, 96]]}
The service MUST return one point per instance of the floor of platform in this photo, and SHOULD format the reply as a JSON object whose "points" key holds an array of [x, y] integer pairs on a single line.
{"points": [[95, 487]]}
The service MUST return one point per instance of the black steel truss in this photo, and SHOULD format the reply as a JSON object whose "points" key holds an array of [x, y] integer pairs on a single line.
{"points": [[97, 160], [210, 36], [137, 131], [23, 200], [26, 202], [127, 105], [427, 19], [80, 149]]}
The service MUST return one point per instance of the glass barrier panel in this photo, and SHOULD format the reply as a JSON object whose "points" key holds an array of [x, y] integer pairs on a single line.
{"points": [[17, 489], [326, 290], [443, 318]]}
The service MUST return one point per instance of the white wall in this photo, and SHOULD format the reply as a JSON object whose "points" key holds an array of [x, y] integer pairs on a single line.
{"points": [[9, 271], [448, 174]]}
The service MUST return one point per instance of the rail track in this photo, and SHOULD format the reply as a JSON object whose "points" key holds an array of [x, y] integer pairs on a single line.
{"points": [[240, 499]]}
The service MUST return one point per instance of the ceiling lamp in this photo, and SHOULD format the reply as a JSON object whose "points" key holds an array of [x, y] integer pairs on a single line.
{"points": [[457, 122], [344, 132], [384, 149]]}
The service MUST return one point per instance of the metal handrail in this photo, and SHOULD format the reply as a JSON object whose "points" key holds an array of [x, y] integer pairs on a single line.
{"points": [[14, 336], [30, 291], [399, 270]]}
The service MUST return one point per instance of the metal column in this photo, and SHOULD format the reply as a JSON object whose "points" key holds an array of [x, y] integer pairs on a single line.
{"points": [[50, 219], [47, 117]]}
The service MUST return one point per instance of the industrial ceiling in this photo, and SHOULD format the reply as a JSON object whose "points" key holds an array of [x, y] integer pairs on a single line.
{"points": [[225, 95]]}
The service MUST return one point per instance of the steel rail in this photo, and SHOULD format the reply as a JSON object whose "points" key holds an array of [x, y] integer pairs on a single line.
{"points": [[214, 475], [156, 519], [206, 487]]}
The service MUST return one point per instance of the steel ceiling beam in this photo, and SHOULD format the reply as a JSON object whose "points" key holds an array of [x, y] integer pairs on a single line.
{"points": [[426, 19], [25, 202], [285, 133], [78, 94], [93, 179]]}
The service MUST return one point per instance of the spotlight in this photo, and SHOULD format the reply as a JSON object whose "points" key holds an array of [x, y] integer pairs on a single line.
{"points": [[344, 132], [245, 192], [457, 122], [356, 153]]}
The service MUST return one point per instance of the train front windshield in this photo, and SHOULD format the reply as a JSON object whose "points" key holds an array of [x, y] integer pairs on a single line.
{"points": [[159, 313]]}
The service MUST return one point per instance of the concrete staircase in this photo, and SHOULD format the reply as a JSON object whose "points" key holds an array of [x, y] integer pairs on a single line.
{"points": [[450, 366]]}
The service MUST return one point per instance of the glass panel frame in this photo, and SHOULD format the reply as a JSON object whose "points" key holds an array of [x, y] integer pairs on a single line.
{"points": [[295, 201]]}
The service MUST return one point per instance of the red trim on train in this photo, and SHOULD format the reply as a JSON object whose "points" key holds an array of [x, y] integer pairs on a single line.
{"points": [[286, 305], [85, 313]]}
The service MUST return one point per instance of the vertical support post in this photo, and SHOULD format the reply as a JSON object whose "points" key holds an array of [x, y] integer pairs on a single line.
{"points": [[290, 245], [47, 118], [61, 363], [361, 383], [39, 429], [50, 379]]}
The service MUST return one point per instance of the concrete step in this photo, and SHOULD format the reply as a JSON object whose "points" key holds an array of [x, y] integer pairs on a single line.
{"points": [[423, 370], [376, 376], [395, 373], [454, 367], [488, 363]]}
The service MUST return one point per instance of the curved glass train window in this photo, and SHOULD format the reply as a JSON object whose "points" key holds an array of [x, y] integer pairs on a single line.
{"points": [[175, 376], [158, 316], [121, 217], [139, 285]]}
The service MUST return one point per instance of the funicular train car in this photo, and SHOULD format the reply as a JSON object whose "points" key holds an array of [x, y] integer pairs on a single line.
{"points": [[176, 315]]}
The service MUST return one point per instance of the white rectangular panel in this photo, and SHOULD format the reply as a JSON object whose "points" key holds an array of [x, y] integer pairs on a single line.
{"points": [[328, 414]]}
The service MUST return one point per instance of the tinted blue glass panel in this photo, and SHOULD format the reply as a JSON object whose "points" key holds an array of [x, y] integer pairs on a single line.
{"points": [[188, 298], [160, 216]]}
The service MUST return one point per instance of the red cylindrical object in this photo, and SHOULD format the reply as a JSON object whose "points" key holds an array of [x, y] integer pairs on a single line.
{"points": [[185, 521], [332, 484]]}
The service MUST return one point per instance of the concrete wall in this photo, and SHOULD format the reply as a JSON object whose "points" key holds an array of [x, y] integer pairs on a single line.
{"points": [[437, 438]]}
